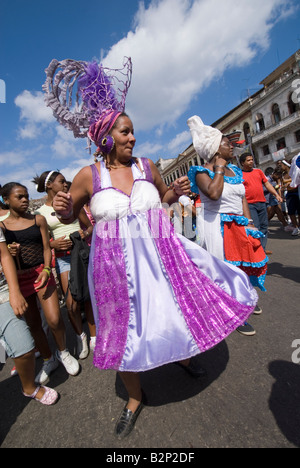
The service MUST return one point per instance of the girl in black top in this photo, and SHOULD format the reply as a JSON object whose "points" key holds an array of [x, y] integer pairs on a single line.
{"points": [[28, 242]]}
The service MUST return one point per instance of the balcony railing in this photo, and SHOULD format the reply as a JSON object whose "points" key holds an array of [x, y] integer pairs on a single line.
{"points": [[284, 123]]}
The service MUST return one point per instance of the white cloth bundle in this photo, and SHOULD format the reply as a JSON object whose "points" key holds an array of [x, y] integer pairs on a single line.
{"points": [[295, 172], [206, 139]]}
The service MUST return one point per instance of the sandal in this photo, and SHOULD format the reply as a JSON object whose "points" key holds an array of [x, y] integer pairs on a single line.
{"points": [[49, 398]]}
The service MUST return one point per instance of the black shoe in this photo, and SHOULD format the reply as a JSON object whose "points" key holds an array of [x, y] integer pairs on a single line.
{"points": [[246, 329], [194, 370], [127, 420], [257, 310]]}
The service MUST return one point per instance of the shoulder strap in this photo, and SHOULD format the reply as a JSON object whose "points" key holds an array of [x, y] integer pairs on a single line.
{"points": [[96, 179], [146, 169]]}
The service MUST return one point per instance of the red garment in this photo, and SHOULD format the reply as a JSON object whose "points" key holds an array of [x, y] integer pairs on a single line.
{"points": [[253, 182], [27, 279], [197, 202], [240, 248]]}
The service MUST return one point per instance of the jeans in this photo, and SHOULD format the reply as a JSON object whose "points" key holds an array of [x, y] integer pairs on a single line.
{"points": [[63, 264], [14, 333], [259, 215]]}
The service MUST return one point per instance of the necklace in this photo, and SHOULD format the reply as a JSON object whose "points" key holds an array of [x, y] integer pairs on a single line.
{"points": [[121, 166]]}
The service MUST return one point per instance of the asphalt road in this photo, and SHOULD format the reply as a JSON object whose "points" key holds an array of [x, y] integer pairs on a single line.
{"points": [[250, 398]]}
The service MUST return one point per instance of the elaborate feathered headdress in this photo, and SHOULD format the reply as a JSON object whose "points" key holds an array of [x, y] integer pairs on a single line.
{"points": [[87, 98]]}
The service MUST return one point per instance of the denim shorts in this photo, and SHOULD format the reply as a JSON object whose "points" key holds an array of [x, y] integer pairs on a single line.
{"points": [[63, 264], [15, 335]]}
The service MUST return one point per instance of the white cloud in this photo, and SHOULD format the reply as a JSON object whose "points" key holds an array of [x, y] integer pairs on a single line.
{"points": [[12, 158], [147, 149], [70, 171], [29, 131], [179, 46], [179, 141], [66, 146], [22, 173], [34, 113], [33, 107], [25, 174]]}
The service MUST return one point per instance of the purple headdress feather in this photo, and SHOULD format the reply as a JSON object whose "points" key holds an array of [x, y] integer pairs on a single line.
{"points": [[97, 91]]}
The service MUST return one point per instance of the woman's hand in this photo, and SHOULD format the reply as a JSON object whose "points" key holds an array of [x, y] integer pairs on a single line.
{"points": [[182, 186], [62, 244], [63, 205], [14, 249], [18, 303], [220, 162], [84, 234], [42, 279]]}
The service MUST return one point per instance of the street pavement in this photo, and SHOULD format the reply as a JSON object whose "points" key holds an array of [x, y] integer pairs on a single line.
{"points": [[250, 397]]}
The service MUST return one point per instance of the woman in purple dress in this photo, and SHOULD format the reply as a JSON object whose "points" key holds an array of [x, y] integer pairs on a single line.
{"points": [[157, 297]]}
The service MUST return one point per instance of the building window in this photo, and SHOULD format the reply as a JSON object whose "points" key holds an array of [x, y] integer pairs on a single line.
{"points": [[297, 135], [260, 123], [265, 150], [280, 144], [292, 106], [246, 130], [276, 114]]}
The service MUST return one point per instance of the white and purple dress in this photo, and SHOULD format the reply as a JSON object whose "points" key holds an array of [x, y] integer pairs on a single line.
{"points": [[157, 297]]}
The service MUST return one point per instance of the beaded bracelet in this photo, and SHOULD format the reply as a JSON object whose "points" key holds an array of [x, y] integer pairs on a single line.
{"points": [[48, 270]]}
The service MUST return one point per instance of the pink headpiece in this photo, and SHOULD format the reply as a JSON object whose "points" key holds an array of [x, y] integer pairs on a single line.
{"points": [[102, 127]]}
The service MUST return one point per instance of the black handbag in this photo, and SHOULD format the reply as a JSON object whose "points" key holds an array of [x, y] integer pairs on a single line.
{"points": [[78, 278]]}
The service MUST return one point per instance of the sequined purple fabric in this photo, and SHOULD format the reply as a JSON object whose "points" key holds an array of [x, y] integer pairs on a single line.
{"points": [[110, 296], [211, 314]]}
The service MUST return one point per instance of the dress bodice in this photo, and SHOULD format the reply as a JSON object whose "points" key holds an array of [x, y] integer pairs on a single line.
{"points": [[231, 200], [109, 203]]}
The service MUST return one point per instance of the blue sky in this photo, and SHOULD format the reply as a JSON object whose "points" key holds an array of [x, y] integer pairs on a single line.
{"points": [[189, 57]]}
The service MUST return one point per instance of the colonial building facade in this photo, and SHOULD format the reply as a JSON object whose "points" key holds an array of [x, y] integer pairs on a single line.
{"points": [[172, 169], [267, 122], [276, 114]]}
